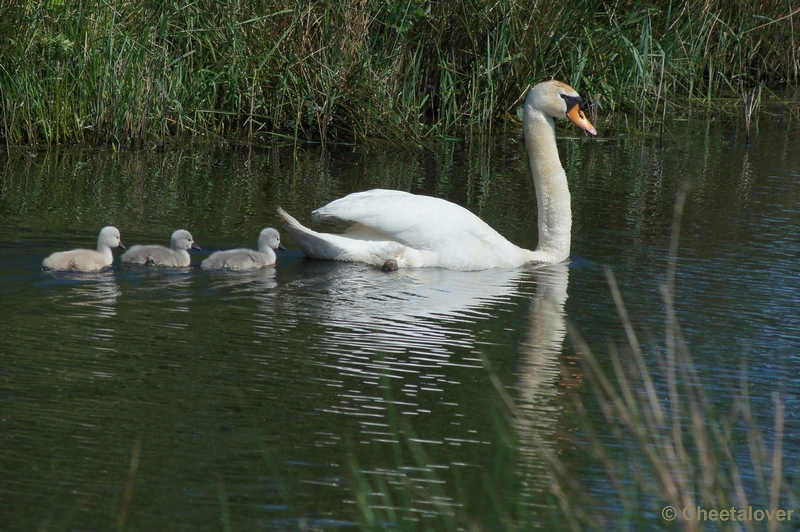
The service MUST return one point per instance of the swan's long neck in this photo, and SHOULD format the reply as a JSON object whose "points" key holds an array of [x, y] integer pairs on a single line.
{"points": [[550, 181]]}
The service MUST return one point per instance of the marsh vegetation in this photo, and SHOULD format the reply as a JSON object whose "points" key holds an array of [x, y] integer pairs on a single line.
{"points": [[145, 71]]}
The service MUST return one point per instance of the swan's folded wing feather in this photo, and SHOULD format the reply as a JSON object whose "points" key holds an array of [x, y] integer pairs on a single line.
{"points": [[421, 222], [361, 205]]}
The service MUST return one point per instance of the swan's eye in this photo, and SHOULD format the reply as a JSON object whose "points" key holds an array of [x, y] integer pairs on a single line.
{"points": [[573, 101]]}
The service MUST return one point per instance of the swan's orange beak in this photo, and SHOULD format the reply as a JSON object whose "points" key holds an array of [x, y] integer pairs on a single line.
{"points": [[576, 115]]}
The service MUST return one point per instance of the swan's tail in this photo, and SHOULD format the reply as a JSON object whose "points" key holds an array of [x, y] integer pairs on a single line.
{"points": [[314, 245], [338, 247]]}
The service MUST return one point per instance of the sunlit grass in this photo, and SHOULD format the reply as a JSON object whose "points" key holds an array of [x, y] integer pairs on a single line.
{"points": [[145, 71]]}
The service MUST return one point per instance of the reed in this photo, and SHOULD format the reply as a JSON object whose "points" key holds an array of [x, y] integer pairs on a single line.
{"points": [[678, 449], [146, 71], [652, 428]]}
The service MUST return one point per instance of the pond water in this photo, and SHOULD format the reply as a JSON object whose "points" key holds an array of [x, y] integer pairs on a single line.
{"points": [[318, 395]]}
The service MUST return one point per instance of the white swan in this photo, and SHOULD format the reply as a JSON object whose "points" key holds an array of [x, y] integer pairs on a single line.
{"points": [[87, 260], [419, 231], [247, 259], [177, 255]]}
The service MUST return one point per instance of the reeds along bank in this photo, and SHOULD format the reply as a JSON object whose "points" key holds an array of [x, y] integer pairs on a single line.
{"points": [[145, 71]]}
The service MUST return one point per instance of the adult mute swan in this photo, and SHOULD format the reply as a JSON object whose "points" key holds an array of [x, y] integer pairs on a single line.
{"points": [[247, 259], [420, 231], [87, 260], [177, 255]]}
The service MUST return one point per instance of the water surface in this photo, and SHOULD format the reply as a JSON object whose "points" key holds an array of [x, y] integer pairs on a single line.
{"points": [[189, 400]]}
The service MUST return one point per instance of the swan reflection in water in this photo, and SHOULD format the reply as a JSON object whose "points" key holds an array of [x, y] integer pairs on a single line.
{"points": [[399, 323], [96, 293], [422, 329], [253, 282], [538, 411], [83, 308]]}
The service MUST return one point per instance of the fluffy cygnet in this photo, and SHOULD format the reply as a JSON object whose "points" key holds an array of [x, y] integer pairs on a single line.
{"points": [[87, 260], [247, 259], [177, 255]]}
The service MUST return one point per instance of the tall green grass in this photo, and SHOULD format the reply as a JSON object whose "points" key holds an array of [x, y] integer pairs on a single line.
{"points": [[141, 71]]}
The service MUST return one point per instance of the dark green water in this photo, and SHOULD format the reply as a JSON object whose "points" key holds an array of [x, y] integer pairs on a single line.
{"points": [[152, 399]]}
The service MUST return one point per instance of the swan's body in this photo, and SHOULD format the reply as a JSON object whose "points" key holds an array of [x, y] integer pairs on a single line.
{"points": [[87, 260], [414, 230], [247, 259], [422, 231], [177, 255]]}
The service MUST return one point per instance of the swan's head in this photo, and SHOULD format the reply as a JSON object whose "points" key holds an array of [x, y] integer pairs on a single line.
{"points": [[182, 239], [269, 238], [109, 236], [559, 100]]}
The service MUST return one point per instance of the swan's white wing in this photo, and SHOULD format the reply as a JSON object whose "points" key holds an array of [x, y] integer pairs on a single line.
{"points": [[329, 246], [420, 222], [414, 230]]}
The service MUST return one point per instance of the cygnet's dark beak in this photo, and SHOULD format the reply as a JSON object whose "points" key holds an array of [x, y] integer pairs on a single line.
{"points": [[195, 246]]}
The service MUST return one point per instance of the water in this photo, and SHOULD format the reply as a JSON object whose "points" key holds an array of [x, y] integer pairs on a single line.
{"points": [[188, 400]]}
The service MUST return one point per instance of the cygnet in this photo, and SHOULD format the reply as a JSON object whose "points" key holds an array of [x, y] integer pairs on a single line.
{"points": [[247, 259], [177, 255], [87, 260]]}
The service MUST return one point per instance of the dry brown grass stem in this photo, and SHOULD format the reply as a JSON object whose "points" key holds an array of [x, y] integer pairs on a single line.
{"points": [[669, 441]]}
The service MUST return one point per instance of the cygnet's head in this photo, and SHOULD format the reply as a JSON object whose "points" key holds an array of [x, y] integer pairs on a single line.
{"points": [[109, 236], [182, 239], [269, 238]]}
